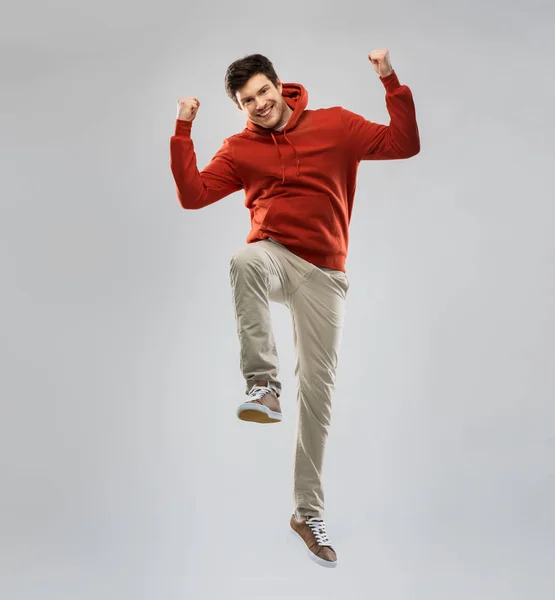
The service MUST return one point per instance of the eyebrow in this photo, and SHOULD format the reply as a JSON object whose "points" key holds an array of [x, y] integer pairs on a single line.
{"points": [[249, 97]]}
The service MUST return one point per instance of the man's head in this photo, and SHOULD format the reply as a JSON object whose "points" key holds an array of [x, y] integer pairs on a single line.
{"points": [[251, 82]]}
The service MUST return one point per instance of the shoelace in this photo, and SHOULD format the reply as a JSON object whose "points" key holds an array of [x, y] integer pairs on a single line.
{"points": [[318, 528], [258, 391]]}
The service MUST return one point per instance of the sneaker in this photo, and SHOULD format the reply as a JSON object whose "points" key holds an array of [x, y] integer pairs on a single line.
{"points": [[312, 531], [262, 407]]}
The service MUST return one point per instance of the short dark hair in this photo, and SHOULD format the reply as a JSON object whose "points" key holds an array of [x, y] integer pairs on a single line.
{"points": [[240, 71]]}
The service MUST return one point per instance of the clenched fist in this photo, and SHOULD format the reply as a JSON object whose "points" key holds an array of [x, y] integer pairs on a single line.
{"points": [[380, 61], [187, 108]]}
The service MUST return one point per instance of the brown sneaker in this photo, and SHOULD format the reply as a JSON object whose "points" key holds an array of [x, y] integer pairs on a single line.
{"points": [[312, 531], [262, 407]]}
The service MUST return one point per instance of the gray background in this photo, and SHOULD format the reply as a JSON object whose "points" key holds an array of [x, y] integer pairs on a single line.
{"points": [[125, 473]]}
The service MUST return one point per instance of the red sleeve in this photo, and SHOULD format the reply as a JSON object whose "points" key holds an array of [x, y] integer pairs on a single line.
{"points": [[399, 139], [198, 189]]}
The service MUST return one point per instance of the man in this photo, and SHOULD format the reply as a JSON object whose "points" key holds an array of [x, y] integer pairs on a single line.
{"points": [[298, 170]]}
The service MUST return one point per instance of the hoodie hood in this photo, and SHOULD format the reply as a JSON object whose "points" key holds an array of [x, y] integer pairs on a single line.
{"points": [[296, 97]]}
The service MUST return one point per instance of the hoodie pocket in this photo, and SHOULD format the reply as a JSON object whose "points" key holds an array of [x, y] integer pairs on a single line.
{"points": [[306, 222]]}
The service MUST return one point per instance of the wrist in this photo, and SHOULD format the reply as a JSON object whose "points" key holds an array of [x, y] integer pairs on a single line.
{"points": [[183, 128], [391, 82]]}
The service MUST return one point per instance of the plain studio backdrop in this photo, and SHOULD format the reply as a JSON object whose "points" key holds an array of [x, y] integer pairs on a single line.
{"points": [[125, 473]]}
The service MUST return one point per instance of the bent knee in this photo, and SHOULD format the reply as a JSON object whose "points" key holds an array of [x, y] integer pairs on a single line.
{"points": [[250, 256]]}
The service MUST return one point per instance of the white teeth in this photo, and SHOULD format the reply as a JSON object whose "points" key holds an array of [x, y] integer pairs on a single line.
{"points": [[266, 113]]}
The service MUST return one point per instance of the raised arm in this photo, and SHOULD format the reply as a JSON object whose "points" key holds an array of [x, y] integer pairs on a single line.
{"points": [[218, 179], [399, 139]]}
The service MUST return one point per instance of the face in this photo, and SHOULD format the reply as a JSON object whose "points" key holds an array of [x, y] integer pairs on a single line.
{"points": [[258, 96]]}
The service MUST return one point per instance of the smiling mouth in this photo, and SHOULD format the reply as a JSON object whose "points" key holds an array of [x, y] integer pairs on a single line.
{"points": [[266, 114]]}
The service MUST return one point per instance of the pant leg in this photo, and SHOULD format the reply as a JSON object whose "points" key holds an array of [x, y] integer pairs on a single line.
{"points": [[317, 310], [261, 272]]}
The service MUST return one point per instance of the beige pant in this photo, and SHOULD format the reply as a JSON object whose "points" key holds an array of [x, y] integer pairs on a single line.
{"points": [[267, 271]]}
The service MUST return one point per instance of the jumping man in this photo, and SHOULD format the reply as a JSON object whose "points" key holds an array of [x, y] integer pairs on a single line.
{"points": [[298, 170]]}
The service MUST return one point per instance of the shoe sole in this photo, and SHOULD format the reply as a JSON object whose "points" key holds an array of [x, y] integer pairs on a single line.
{"points": [[257, 413], [319, 561]]}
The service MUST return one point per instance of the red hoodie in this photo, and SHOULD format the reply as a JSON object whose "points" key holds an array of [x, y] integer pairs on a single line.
{"points": [[299, 182]]}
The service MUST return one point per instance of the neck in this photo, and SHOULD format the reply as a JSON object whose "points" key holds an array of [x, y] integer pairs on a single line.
{"points": [[286, 116]]}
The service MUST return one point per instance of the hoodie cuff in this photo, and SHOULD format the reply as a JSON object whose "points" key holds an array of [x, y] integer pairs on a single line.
{"points": [[183, 128], [391, 82]]}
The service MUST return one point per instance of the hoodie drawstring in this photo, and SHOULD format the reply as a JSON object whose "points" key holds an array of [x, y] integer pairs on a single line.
{"points": [[295, 151], [281, 157]]}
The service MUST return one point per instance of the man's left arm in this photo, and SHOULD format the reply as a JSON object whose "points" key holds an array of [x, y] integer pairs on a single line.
{"points": [[399, 139]]}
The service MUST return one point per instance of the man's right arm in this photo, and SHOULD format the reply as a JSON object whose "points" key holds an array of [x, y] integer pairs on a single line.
{"points": [[198, 189]]}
